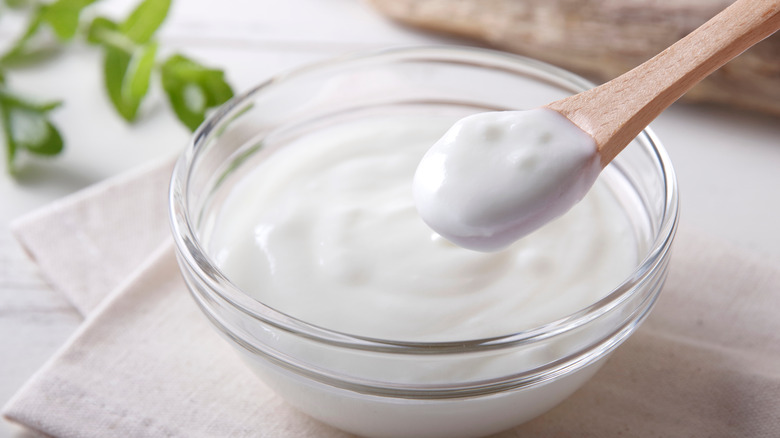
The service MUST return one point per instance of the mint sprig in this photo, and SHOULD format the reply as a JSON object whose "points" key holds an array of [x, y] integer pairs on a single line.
{"points": [[130, 58], [130, 64], [62, 16]]}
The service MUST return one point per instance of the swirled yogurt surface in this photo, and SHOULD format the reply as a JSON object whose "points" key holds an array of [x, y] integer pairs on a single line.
{"points": [[495, 177], [326, 230]]}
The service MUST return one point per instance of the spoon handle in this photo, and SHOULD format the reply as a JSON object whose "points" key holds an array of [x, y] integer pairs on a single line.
{"points": [[617, 111]]}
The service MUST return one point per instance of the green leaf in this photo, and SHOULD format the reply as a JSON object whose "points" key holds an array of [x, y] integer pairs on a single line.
{"points": [[63, 16], [140, 71], [144, 21], [192, 89], [33, 131], [26, 125], [115, 64], [127, 77]]}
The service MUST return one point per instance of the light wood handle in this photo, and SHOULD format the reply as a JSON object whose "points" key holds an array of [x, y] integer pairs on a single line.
{"points": [[617, 111]]}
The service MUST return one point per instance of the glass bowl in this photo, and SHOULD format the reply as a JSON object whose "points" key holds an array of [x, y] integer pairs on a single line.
{"points": [[342, 379]]}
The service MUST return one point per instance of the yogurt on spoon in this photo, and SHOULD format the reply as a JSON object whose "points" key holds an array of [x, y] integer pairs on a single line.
{"points": [[480, 190]]}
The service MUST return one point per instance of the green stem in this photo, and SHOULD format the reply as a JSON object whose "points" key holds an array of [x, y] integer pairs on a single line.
{"points": [[116, 40], [10, 99], [10, 145], [18, 47]]}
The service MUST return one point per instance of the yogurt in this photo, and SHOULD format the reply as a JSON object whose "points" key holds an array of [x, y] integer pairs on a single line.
{"points": [[326, 230], [495, 177]]}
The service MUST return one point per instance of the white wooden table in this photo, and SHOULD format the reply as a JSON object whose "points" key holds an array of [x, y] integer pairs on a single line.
{"points": [[728, 162]]}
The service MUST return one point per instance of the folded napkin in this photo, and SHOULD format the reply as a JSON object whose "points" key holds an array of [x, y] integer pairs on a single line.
{"points": [[146, 363]]}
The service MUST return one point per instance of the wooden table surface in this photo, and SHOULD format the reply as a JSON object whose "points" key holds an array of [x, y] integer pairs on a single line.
{"points": [[728, 162]]}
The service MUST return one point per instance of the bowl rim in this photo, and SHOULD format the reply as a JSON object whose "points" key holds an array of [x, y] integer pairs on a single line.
{"points": [[191, 252]]}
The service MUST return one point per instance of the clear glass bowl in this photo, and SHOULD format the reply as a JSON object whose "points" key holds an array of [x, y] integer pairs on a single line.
{"points": [[342, 379]]}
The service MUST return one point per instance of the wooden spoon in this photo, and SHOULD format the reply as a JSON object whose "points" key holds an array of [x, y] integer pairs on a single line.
{"points": [[617, 111], [486, 204]]}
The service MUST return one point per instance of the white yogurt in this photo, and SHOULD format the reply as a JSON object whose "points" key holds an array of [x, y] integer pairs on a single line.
{"points": [[497, 176], [326, 230]]}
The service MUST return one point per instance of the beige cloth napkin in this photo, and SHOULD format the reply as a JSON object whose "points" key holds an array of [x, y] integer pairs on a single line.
{"points": [[146, 363]]}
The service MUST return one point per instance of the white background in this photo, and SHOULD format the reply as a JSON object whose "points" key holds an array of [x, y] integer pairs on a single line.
{"points": [[727, 161]]}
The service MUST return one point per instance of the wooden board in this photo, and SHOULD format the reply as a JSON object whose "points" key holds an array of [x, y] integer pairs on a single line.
{"points": [[601, 39]]}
